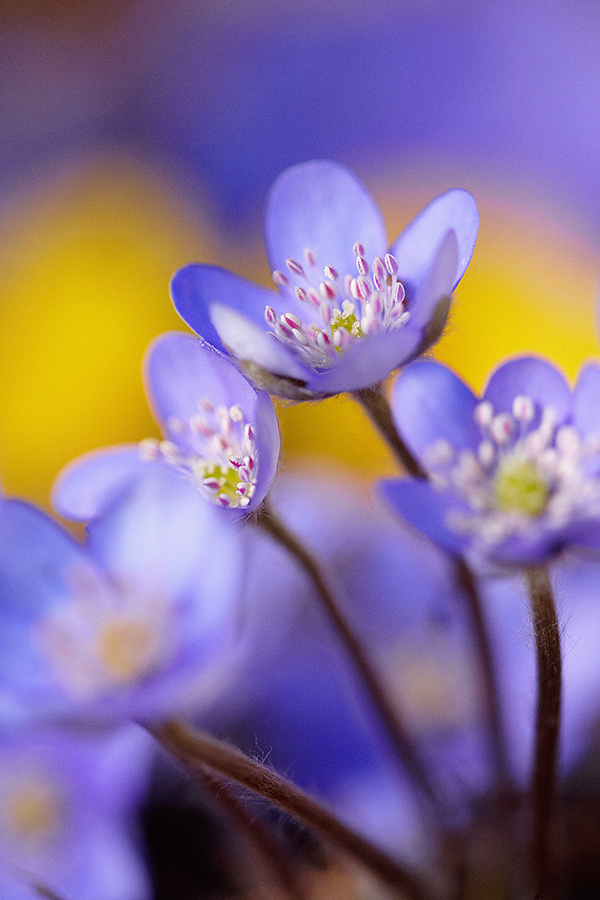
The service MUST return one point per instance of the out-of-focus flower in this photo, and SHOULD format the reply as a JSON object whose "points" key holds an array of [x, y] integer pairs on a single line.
{"points": [[220, 433], [513, 476], [348, 311], [135, 624], [66, 806]]}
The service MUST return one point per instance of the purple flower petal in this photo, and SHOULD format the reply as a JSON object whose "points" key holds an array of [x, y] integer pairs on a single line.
{"points": [[586, 401], [251, 343], [431, 403], [367, 361], [455, 209], [229, 312], [532, 377], [437, 283], [182, 374], [426, 509], [88, 485], [321, 205]]}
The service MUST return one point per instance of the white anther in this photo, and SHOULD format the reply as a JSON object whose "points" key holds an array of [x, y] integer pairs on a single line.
{"points": [[280, 278], [523, 409], [294, 266], [501, 428], [483, 414]]}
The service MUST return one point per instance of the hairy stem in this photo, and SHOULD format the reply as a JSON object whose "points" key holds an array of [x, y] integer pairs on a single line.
{"points": [[390, 719], [269, 862], [543, 786], [468, 583], [198, 750], [374, 401]]}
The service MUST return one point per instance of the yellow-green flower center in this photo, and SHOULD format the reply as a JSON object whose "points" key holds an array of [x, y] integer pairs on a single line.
{"points": [[346, 320], [519, 486]]}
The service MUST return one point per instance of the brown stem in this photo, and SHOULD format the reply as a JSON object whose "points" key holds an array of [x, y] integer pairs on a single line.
{"points": [[375, 403], [543, 787], [397, 733], [467, 582], [267, 857], [196, 749]]}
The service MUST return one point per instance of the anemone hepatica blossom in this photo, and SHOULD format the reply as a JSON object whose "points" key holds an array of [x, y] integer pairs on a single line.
{"points": [[513, 476], [348, 310], [136, 624], [219, 433], [66, 804]]}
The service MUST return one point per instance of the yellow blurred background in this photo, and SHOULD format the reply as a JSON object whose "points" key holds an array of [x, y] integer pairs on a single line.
{"points": [[86, 260]]}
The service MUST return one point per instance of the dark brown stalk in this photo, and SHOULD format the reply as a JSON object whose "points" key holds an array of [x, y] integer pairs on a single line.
{"points": [[468, 584], [198, 750], [271, 864], [375, 403], [397, 733], [544, 779]]}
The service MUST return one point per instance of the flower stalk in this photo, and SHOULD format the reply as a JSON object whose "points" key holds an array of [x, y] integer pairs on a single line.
{"points": [[198, 750], [394, 726], [543, 786], [375, 403]]}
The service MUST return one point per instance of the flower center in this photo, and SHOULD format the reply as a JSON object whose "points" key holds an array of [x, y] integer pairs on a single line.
{"points": [[31, 809], [345, 308], [225, 466], [106, 635], [520, 487], [526, 475]]}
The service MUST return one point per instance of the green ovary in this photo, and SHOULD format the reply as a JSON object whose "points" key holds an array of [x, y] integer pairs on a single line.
{"points": [[228, 480], [520, 487]]}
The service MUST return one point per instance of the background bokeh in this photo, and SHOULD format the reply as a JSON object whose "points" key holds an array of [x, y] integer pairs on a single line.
{"points": [[139, 136]]}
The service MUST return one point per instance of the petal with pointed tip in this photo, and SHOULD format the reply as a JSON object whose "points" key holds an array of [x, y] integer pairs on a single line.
{"points": [[438, 281], [455, 209]]}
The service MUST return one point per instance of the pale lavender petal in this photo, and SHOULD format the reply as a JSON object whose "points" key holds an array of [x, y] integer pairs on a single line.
{"points": [[89, 484], [367, 361], [250, 342], [586, 400], [427, 510], [323, 206], [532, 377], [266, 429], [413, 248], [431, 403], [437, 283], [195, 289]]}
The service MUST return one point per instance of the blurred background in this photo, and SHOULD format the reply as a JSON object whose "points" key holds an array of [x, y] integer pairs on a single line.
{"points": [[137, 136]]}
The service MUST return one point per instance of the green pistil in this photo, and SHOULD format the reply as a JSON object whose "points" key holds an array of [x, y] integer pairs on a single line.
{"points": [[348, 321], [228, 480], [520, 487]]}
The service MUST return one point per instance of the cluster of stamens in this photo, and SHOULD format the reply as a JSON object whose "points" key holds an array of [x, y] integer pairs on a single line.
{"points": [[106, 635], [527, 474], [346, 307], [225, 470]]}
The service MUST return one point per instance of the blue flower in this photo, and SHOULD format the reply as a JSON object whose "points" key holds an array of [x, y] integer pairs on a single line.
{"points": [[219, 433], [136, 624], [66, 804], [348, 311], [513, 476]]}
